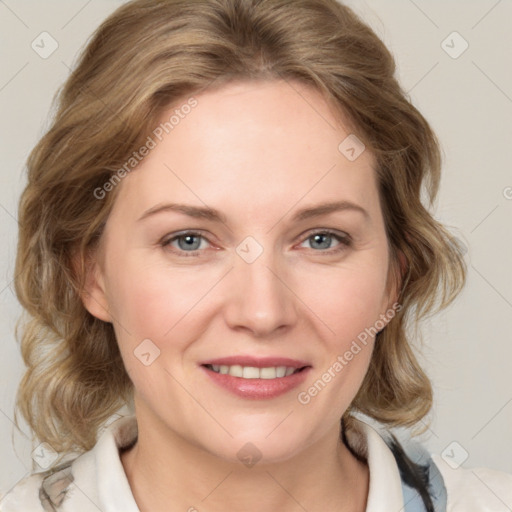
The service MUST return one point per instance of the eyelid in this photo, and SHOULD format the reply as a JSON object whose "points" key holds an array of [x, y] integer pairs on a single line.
{"points": [[327, 231], [168, 239], [345, 240]]}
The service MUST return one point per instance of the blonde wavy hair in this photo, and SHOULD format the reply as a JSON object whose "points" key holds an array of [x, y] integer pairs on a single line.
{"points": [[146, 56]]}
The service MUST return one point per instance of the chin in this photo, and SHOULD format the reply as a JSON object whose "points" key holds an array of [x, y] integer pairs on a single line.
{"points": [[258, 449]]}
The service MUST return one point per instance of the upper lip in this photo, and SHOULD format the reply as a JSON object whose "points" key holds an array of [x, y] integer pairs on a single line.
{"points": [[257, 362]]}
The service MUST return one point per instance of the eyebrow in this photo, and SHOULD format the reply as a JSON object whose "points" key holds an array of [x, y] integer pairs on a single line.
{"points": [[214, 215]]}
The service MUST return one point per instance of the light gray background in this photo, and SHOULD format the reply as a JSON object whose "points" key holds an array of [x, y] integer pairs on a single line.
{"points": [[468, 100]]}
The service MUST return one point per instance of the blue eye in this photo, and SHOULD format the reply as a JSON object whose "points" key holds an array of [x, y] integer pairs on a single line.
{"points": [[323, 240], [189, 242]]}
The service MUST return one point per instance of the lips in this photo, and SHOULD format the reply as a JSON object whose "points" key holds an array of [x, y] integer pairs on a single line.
{"points": [[257, 362], [278, 375], [257, 389]]}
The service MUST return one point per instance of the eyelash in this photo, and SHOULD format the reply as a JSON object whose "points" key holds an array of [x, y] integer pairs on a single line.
{"points": [[345, 242]]}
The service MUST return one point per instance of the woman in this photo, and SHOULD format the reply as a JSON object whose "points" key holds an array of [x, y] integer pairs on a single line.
{"points": [[223, 228]]}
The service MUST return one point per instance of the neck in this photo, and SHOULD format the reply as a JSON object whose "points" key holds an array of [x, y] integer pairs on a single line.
{"points": [[168, 473]]}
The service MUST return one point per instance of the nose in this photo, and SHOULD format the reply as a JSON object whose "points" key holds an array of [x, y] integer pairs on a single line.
{"points": [[261, 300]]}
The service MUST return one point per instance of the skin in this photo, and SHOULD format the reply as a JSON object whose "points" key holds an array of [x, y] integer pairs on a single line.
{"points": [[258, 152]]}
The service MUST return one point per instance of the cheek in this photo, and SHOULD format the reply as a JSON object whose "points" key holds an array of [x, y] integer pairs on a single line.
{"points": [[346, 303], [157, 302], [152, 304], [347, 299]]}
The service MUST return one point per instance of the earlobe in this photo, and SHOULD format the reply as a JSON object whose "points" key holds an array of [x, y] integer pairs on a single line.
{"points": [[396, 280], [401, 273], [92, 292], [393, 291]]}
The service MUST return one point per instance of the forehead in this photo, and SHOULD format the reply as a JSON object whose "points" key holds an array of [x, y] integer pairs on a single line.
{"points": [[252, 145]]}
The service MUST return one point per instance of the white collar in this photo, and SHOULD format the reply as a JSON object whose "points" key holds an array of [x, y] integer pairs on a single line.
{"points": [[114, 493], [385, 492]]}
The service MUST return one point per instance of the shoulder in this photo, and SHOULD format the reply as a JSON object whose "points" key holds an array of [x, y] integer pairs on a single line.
{"points": [[39, 492], [475, 489], [77, 484], [23, 496], [445, 487]]}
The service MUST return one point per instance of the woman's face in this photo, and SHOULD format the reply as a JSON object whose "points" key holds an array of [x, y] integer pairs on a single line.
{"points": [[247, 271]]}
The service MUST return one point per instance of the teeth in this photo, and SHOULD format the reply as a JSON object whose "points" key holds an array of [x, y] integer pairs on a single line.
{"points": [[251, 372]]}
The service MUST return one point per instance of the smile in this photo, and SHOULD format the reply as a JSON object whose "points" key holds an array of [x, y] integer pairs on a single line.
{"points": [[251, 372], [255, 383]]}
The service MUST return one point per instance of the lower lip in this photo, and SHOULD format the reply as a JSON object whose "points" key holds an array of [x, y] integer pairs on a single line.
{"points": [[258, 389]]}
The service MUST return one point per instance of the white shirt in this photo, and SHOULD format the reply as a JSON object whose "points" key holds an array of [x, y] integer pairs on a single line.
{"points": [[100, 483]]}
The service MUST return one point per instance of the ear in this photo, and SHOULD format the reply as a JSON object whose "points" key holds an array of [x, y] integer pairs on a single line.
{"points": [[396, 278], [92, 292]]}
